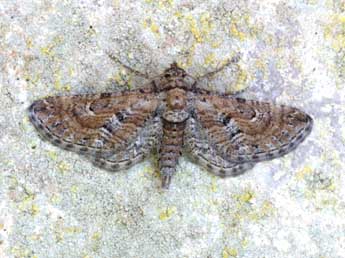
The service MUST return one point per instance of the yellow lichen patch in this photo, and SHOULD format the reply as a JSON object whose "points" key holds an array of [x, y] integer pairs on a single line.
{"points": [[312, 2], [52, 155], [116, 3], [264, 210], [27, 204], [31, 80], [25, 121], [167, 213], [334, 32], [165, 3], [200, 32], [240, 83], [58, 231], [216, 44], [161, 3], [308, 194], [301, 174], [148, 170], [244, 243], [150, 24], [206, 23], [19, 251], [261, 65], [63, 167], [341, 18], [210, 59], [48, 50], [243, 27], [322, 199], [122, 78], [329, 202], [67, 87], [29, 43], [34, 210], [57, 83], [55, 199], [118, 78], [29, 196], [2, 226], [154, 28], [23, 126], [57, 80], [248, 209], [72, 230], [13, 182], [254, 216], [331, 186], [235, 32], [194, 28], [189, 58], [245, 197], [35, 237], [213, 184], [178, 15], [336, 160], [267, 208], [130, 55], [257, 213], [96, 236], [71, 71], [325, 131], [229, 252], [74, 188]]}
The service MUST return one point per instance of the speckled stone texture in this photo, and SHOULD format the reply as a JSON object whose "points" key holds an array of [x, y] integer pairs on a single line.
{"points": [[54, 203]]}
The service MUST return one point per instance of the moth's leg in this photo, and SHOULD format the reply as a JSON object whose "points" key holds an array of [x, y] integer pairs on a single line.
{"points": [[136, 72], [229, 62]]}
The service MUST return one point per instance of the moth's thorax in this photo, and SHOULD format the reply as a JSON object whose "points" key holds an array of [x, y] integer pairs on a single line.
{"points": [[176, 99], [176, 106]]}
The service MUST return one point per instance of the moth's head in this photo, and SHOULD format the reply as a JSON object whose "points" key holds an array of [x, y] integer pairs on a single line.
{"points": [[174, 72]]}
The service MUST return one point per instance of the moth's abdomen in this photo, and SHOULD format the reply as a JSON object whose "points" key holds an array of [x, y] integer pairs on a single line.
{"points": [[174, 122], [170, 150]]}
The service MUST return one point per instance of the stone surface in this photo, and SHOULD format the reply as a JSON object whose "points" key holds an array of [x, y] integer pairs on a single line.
{"points": [[54, 203]]}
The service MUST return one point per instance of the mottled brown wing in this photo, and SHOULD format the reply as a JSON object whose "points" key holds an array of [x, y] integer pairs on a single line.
{"points": [[146, 141], [203, 153], [94, 124], [248, 130]]}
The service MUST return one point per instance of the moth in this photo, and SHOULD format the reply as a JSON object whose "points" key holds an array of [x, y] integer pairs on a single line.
{"points": [[225, 134]]}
